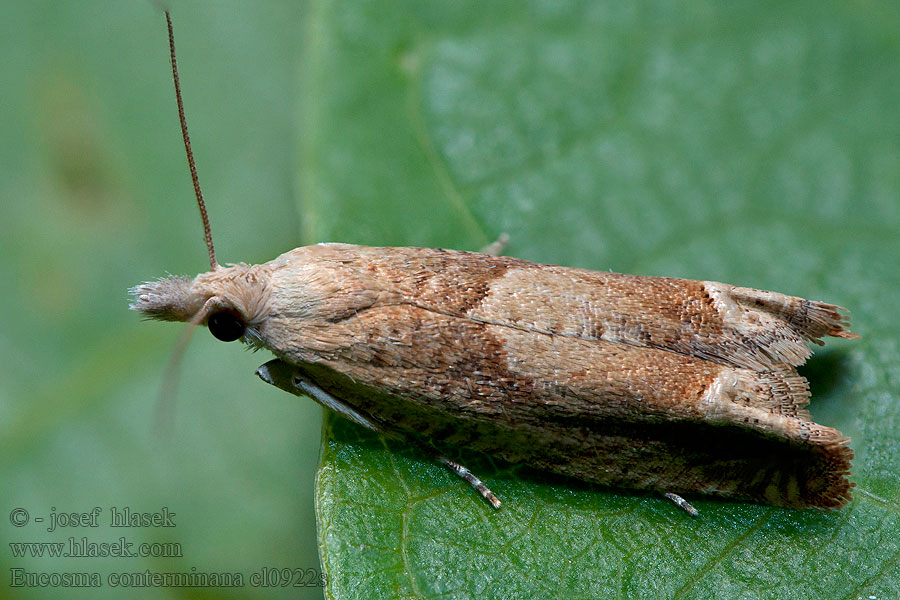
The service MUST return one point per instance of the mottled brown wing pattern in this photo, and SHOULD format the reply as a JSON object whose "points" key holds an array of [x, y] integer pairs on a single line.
{"points": [[647, 382], [554, 366]]}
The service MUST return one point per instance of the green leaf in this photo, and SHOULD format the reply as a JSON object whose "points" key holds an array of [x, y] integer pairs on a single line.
{"points": [[756, 144]]}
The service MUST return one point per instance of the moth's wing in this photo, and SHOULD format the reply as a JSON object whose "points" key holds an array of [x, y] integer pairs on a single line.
{"points": [[602, 411], [739, 326], [464, 366], [531, 362], [734, 325]]}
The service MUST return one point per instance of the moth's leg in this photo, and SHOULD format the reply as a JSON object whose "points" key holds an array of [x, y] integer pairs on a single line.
{"points": [[288, 377], [471, 479], [497, 246], [682, 503]]}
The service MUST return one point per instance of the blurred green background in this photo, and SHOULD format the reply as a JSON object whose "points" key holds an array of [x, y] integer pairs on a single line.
{"points": [[757, 144], [97, 198]]}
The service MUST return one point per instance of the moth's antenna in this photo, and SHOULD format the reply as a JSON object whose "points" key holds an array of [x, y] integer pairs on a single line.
{"points": [[165, 400], [207, 231]]}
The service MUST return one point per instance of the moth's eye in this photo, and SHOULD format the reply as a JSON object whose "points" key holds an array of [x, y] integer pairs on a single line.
{"points": [[226, 326]]}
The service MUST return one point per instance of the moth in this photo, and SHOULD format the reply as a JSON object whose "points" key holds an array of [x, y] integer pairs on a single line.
{"points": [[654, 383]]}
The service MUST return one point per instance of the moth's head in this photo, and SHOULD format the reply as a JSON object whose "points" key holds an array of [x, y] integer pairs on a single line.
{"points": [[231, 301]]}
